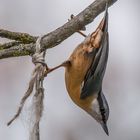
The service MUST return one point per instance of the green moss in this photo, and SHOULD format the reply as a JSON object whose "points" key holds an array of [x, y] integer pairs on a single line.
{"points": [[1, 47], [18, 53]]}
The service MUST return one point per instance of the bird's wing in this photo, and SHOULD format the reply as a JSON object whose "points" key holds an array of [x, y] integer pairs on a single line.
{"points": [[94, 77]]}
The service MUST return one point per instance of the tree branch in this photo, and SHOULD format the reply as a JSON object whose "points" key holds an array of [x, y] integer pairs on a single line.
{"points": [[19, 50], [9, 44], [22, 37], [57, 36]]}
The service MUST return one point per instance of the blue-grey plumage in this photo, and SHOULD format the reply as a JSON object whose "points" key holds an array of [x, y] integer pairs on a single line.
{"points": [[104, 109], [94, 77]]}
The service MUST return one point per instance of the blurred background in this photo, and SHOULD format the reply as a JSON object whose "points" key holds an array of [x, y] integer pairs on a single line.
{"points": [[62, 119]]}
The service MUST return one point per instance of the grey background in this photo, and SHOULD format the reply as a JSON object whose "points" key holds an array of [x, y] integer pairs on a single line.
{"points": [[62, 119]]}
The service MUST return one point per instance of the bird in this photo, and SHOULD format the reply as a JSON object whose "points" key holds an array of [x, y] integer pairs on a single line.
{"points": [[84, 73]]}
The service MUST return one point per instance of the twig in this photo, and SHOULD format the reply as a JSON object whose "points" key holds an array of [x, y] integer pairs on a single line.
{"points": [[19, 50], [57, 36], [9, 45], [80, 32], [22, 37]]}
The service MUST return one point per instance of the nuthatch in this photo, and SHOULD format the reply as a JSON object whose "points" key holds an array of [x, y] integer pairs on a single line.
{"points": [[84, 72]]}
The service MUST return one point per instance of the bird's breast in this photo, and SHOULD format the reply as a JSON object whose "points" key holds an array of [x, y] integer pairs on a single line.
{"points": [[73, 85], [75, 75]]}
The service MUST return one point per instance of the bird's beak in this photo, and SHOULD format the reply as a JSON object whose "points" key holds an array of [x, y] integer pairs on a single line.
{"points": [[104, 126]]}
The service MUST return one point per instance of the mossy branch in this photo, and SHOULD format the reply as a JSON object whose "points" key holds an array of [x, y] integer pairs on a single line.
{"points": [[22, 37]]}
